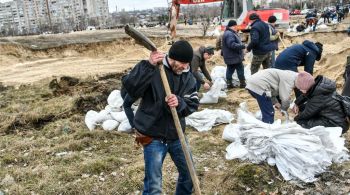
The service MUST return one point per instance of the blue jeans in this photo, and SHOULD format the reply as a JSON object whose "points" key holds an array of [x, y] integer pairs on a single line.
{"points": [[198, 84], [128, 101], [154, 154], [266, 107], [231, 69]]}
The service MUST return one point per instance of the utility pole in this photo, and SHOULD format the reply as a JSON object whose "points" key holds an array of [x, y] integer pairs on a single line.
{"points": [[48, 14]]}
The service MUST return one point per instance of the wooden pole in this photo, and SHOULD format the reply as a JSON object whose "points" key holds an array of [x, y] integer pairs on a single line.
{"points": [[185, 149]]}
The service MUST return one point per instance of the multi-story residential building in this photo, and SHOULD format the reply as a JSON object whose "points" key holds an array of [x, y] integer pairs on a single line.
{"points": [[35, 16]]}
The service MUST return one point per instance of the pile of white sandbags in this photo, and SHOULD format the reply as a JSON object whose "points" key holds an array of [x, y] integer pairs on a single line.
{"points": [[112, 117], [207, 118], [298, 153]]}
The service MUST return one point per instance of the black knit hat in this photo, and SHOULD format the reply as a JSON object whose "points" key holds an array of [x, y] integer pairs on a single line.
{"points": [[181, 51], [209, 50], [272, 19], [254, 16], [231, 23]]}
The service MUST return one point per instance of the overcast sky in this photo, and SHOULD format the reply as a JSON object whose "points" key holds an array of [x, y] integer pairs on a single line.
{"points": [[137, 4], [130, 4]]}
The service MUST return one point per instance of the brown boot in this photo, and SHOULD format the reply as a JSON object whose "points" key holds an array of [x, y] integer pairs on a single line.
{"points": [[242, 84]]}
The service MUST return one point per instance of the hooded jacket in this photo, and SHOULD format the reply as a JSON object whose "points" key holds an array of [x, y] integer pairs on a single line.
{"points": [[232, 47], [319, 108], [299, 55], [197, 63], [153, 117]]}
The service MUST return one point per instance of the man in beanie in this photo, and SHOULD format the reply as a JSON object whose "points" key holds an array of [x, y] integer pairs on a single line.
{"points": [[155, 128], [269, 85], [274, 35], [260, 43], [317, 107], [232, 50], [199, 68]]}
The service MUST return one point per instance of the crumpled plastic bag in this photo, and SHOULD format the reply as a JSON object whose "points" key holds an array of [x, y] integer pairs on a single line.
{"points": [[212, 96], [110, 125], [298, 153], [207, 118]]}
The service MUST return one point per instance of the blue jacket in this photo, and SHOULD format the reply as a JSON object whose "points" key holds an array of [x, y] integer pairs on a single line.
{"points": [[153, 117], [260, 38], [299, 55], [232, 47]]}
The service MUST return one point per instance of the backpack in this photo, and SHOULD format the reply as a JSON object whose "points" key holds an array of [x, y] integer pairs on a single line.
{"points": [[344, 102]]}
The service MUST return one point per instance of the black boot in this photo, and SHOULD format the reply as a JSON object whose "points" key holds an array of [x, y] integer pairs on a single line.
{"points": [[242, 83], [229, 84]]}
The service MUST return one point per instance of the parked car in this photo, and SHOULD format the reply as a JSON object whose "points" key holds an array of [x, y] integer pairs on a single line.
{"points": [[90, 28], [305, 11], [295, 12]]}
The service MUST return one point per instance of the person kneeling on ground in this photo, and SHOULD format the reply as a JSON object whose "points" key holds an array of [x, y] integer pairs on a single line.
{"points": [[267, 86], [317, 107], [198, 62]]}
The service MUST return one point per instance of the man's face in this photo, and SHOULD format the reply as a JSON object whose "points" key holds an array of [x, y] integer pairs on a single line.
{"points": [[207, 56], [178, 67]]}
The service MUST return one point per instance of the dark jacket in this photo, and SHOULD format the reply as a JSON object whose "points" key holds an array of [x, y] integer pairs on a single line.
{"points": [[197, 63], [260, 38], [232, 47], [153, 117], [319, 108], [299, 55]]}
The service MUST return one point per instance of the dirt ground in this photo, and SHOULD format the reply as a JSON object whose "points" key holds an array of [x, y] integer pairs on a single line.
{"points": [[45, 147]]}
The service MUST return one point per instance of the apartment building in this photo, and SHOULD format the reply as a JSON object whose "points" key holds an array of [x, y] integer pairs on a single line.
{"points": [[35, 16]]}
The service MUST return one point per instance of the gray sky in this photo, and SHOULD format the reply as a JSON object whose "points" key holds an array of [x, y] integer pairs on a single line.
{"points": [[137, 4], [131, 4]]}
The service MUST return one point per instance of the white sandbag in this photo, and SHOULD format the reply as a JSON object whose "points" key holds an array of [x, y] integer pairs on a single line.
{"points": [[207, 118], [115, 99], [119, 116], [231, 133], [212, 96], [322, 26], [102, 116], [215, 32], [90, 119], [113, 109], [218, 72], [235, 150], [110, 125], [125, 127]]}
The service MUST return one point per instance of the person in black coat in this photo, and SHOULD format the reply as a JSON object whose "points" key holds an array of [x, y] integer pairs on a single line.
{"points": [[317, 107], [154, 124], [260, 43]]}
